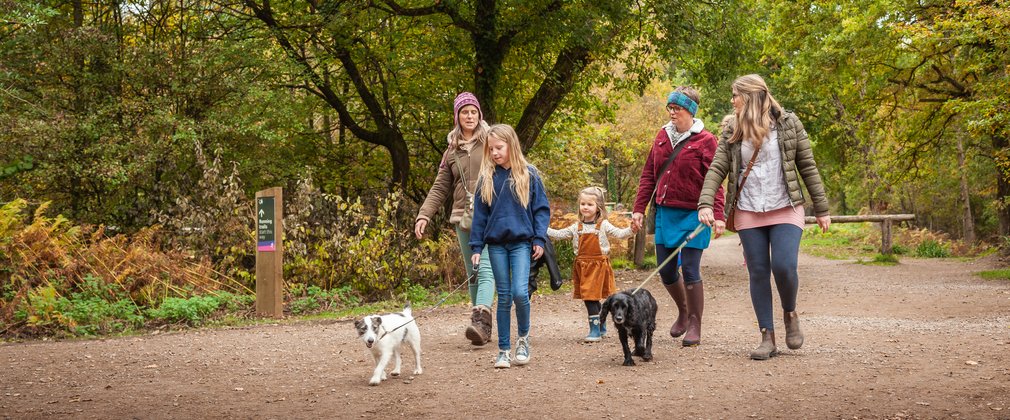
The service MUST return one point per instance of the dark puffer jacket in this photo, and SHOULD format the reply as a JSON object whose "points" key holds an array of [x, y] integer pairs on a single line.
{"points": [[797, 163]]}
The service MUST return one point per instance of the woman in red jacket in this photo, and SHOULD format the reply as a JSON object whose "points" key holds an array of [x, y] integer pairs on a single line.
{"points": [[674, 187]]}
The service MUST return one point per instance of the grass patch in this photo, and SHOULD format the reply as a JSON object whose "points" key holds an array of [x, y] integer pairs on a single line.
{"points": [[1000, 274], [881, 259], [843, 241]]}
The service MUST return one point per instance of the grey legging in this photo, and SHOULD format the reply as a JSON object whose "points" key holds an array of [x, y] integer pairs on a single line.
{"points": [[767, 250]]}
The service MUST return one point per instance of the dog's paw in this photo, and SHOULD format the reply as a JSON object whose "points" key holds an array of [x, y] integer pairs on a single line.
{"points": [[629, 362], [375, 381], [647, 357], [639, 352], [395, 374], [418, 371]]}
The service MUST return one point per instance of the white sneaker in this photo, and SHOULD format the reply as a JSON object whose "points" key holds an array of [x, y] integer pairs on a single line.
{"points": [[523, 350], [503, 361]]}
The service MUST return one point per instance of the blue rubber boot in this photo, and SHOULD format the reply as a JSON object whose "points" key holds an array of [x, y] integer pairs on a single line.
{"points": [[594, 329]]}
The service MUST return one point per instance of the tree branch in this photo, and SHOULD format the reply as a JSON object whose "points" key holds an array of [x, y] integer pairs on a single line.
{"points": [[558, 82], [440, 7], [265, 14]]}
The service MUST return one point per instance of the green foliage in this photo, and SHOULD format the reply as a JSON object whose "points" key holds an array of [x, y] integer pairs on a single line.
{"points": [[25, 163], [192, 311], [335, 242], [931, 249], [416, 293], [566, 258], [899, 249], [306, 299]]}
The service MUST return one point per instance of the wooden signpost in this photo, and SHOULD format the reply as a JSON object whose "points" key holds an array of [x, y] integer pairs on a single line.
{"points": [[269, 252]]}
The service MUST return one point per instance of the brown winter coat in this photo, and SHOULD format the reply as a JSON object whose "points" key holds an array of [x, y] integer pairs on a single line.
{"points": [[797, 163], [448, 181]]}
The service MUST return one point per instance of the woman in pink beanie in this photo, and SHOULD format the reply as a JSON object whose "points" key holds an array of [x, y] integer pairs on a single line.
{"points": [[457, 178]]}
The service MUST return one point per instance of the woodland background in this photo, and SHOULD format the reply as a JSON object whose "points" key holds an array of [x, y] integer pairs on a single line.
{"points": [[135, 133]]}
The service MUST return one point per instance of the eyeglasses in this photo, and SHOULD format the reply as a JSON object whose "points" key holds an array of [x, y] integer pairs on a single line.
{"points": [[673, 108]]}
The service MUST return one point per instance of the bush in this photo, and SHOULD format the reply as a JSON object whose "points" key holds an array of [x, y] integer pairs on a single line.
{"points": [[931, 249], [78, 281], [305, 299], [566, 257], [333, 242], [191, 311]]}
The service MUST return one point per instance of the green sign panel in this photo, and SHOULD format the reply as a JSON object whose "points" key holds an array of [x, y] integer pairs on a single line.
{"points": [[265, 237]]}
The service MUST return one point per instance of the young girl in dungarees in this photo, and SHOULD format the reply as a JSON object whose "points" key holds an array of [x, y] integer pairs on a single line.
{"points": [[592, 275], [510, 217]]}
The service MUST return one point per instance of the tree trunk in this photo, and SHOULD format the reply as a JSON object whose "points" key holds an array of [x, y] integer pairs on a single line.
{"points": [[967, 224], [78, 13], [1001, 146], [489, 53]]}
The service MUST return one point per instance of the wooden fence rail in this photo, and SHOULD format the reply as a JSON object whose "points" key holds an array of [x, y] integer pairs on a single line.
{"points": [[885, 220]]}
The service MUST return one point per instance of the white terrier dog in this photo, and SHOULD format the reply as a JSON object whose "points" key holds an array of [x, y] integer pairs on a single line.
{"points": [[384, 334]]}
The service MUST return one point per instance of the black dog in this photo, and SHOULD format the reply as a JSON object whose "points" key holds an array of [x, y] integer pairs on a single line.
{"points": [[635, 313]]}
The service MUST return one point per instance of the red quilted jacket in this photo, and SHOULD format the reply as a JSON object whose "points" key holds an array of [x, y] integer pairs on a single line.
{"points": [[680, 186]]}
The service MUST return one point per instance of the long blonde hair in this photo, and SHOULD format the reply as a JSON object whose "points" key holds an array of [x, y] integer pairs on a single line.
{"points": [[456, 135], [598, 195], [755, 116], [520, 179]]}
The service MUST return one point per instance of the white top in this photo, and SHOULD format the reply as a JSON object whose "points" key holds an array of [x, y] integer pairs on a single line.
{"points": [[765, 188], [572, 232]]}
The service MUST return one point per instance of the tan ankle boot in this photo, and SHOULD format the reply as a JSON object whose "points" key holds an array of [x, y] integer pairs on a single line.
{"points": [[475, 332], [767, 347], [794, 337], [485, 321]]}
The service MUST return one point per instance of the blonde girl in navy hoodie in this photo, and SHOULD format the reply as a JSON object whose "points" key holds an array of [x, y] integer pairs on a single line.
{"points": [[511, 214]]}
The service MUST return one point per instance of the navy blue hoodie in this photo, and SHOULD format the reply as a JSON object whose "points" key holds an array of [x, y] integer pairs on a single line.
{"points": [[506, 221]]}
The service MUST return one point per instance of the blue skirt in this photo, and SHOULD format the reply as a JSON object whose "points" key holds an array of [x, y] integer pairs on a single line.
{"points": [[673, 225]]}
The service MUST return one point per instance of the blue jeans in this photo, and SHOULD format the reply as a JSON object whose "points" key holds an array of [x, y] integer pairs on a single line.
{"points": [[510, 264], [767, 250]]}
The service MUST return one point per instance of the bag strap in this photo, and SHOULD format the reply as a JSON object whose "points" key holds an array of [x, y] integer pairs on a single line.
{"points": [[462, 174], [743, 178], [666, 165]]}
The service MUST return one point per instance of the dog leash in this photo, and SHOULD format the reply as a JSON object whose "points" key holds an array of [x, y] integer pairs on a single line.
{"points": [[689, 237], [472, 277]]}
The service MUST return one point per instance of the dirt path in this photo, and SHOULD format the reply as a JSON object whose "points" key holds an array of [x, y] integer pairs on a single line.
{"points": [[924, 339]]}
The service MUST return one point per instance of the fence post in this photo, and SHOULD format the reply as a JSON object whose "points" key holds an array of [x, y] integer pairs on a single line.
{"points": [[885, 237], [269, 252], [640, 247]]}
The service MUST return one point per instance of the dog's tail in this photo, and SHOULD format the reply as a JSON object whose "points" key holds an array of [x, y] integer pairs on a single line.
{"points": [[406, 310]]}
